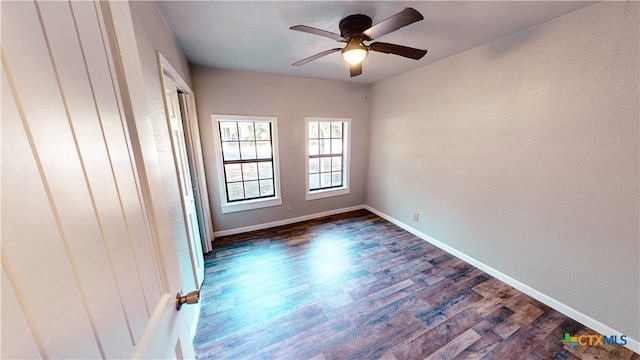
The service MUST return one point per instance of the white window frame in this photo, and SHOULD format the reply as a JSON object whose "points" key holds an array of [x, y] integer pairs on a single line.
{"points": [[244, 205], [346, 150]]}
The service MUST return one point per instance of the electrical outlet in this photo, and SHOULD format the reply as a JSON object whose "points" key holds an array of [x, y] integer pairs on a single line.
{"points": [[416, 216], [290, 208]]}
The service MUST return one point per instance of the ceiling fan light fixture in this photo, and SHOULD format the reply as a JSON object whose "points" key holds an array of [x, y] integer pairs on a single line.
{"points": [[354, 53], [356, 29]]}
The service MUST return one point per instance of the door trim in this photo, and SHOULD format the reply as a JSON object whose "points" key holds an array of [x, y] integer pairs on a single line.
{"points": [[194, 153]]}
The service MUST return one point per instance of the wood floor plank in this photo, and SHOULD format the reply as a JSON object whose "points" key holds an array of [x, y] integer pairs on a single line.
{"points": [[543, 350], [515, 347], [481, 347], [455, 346], [490, 321], [438, 336], [385, 347], [523, 316], [354, 286], [544, 325]]}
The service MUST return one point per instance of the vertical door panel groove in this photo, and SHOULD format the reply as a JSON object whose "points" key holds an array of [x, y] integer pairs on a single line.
{"points": [[50, 195], [29, 147], [63, 48], [133, 138], [129, 186], [35, 335], [145, 250], [104, 176]]}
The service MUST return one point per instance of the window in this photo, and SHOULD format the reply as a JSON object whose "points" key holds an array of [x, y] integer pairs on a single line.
{"points": [[327, 157], [247, 162]]}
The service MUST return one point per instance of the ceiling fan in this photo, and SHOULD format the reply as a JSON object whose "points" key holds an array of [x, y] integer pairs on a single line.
{"points": [[356, 29]]}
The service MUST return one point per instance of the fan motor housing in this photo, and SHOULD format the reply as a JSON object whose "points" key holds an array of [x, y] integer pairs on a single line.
{"points": [[354, 25]]}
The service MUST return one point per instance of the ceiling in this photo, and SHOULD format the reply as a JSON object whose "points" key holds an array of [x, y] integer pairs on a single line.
{"points": [[255, 35]]}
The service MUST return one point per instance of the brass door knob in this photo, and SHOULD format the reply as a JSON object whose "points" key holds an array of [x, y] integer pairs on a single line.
{"points": [[191, 298]]}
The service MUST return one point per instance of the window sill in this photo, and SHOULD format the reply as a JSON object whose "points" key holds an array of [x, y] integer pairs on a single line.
{"points": [[319, 194], [250, 205]]}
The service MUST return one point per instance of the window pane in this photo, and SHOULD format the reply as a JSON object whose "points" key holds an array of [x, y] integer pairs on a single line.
{"points": [[247, 159], [266, 187], [336, 163], [325, 179], [263, 131], [231, 151], [313, 147], [246, 131], [336, 178], [325, 146], [228, 130], [314, 165], [314, 181], [325, 129], [251, 189], [264, 149], [265, 170], [236, 191], [250, 171], [336, 130], [248, 150], [313, 130], [326, 156], [233, 172], [325, 164], [336, 146]]}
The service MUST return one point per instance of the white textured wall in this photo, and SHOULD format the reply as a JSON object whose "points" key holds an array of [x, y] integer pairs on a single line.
{"points": [[291, 99], [152, 35], [523, 154]]}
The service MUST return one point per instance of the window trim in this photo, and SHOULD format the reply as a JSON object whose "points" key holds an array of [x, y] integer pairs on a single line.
{"points": [[227, 206], [346, 151]]}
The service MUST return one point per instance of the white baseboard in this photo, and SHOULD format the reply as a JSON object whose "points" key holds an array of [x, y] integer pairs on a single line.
{"points": [[632, 344], [286, 221]]}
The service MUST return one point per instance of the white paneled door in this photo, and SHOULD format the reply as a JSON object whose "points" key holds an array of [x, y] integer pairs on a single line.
{"points": [[85, 272]]}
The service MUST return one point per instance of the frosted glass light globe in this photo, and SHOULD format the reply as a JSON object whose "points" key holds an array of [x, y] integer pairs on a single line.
{"points": [[355, 55]]}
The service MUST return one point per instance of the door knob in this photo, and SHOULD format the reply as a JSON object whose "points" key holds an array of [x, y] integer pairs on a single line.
{"points": [[191, 298]]}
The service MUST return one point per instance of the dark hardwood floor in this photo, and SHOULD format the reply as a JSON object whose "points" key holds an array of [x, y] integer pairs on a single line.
{"points": [[356, 286]]}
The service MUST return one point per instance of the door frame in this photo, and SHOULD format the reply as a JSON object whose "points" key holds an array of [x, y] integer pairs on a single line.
{"points": [[194, 151]]}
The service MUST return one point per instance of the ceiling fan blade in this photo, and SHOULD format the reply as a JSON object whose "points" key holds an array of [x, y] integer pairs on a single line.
{"points": [[355, 69], [316, 56], [395, 22], [401, 50], [312, 30]]}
